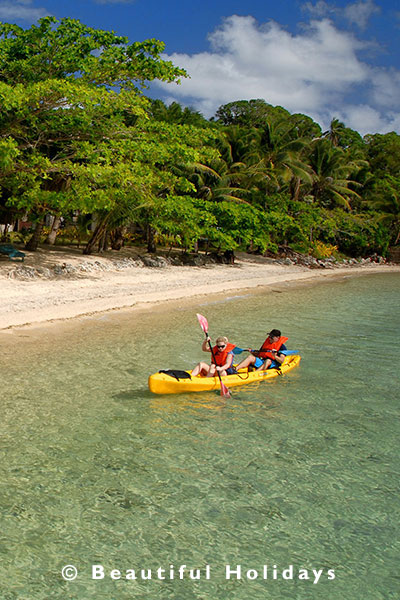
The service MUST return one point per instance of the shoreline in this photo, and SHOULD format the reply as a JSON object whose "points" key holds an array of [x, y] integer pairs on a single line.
{"points": [[29, 304]]}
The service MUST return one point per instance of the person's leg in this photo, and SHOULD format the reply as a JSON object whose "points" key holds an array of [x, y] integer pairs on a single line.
{"points": [[212, 371], [201, 367], [250, 360], [231, 371], [265, 365]]}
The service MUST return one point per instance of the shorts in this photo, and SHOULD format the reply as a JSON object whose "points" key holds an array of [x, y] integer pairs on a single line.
{"points": [[259, 363]]}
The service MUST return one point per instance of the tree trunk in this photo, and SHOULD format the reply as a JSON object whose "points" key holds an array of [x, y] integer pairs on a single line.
{"points": [[103, 242], [295, 188], [33, 243], [151, 244], [4, 233], [117, 238], [97, 236], [51, 238]]}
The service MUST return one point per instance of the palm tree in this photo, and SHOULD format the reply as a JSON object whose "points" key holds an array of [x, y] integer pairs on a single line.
{"points": [[174, 114], [219, 181], [331, 169], [334, 132], [276, 153], [386, 200], [227, 177]]}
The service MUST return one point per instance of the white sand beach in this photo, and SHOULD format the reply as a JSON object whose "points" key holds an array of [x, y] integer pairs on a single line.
{"points": [[95, 284]]}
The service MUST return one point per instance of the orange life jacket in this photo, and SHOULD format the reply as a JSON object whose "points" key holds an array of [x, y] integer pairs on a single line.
{"points": [[220, 357], [267, 345]]}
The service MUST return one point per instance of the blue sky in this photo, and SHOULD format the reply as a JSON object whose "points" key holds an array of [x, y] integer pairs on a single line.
{"points": [[326, 59]]}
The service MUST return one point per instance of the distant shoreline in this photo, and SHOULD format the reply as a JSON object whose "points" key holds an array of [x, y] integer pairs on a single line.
{"points": [[26, 303]]}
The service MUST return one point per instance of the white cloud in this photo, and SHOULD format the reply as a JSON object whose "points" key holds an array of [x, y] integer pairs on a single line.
{"points": [[21, 10], [366, 119], [320, 8], [385, 87], [314, 72], [360, 12], [357, 13]]}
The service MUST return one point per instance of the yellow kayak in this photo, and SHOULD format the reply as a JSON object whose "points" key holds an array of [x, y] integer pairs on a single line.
{"points": [[167, 383]]}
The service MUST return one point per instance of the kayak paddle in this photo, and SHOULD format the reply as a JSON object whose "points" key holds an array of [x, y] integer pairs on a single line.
{"points": [[204, 325], [238, 350]]}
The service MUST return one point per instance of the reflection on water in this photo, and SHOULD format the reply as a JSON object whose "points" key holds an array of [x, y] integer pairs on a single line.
{"points": [[302, 470]]}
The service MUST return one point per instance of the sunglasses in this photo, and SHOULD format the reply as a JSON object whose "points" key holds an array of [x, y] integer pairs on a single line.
{"points": [[221, 347]]}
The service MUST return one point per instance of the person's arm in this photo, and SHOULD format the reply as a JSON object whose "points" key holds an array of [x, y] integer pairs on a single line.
{"points": [[205, 346], [253, 352], [278, 356]]}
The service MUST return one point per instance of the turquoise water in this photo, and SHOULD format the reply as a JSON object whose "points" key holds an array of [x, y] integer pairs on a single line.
{"points": [[298, 473]]}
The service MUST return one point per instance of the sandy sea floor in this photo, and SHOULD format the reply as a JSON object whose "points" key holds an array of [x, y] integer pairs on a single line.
{"points": [[106, 285]]}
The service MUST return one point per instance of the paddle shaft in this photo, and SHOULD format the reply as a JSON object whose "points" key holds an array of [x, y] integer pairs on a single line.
{"points": [[238, 350], [204, 325], [213, 355]]}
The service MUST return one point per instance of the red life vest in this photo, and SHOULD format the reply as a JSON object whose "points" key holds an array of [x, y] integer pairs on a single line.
{"points": [[220, 357], [267, 345]]}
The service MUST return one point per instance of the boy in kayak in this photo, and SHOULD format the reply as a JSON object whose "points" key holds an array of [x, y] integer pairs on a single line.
{"points": [[221, 361], [269, 355]]}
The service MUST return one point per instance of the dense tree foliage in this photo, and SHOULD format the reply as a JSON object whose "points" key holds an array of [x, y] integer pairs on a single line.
{"points": [[80, 143]]}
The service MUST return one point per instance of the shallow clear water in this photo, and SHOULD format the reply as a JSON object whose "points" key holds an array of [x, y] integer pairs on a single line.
{"points": [[302, 470]]}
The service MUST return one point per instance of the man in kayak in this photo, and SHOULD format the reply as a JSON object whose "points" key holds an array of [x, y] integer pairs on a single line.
{"points": [[269, 355], [222, 359]]}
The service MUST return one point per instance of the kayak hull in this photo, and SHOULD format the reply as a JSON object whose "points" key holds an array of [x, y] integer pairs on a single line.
{"points": [[161, 383]]}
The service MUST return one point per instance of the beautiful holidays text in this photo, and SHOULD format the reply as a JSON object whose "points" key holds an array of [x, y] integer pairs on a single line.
{"points": [[229, 572]]}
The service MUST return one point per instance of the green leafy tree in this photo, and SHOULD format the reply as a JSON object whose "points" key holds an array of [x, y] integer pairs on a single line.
{"points": [[383, 153], [276, 151], [78, 136], [342, 136], [385, 199], [304, 127], [56, 49], [174, 113], [335, 132], [59, 104], [331, 169], [226, 175], [137, 176], [249, 113]]}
